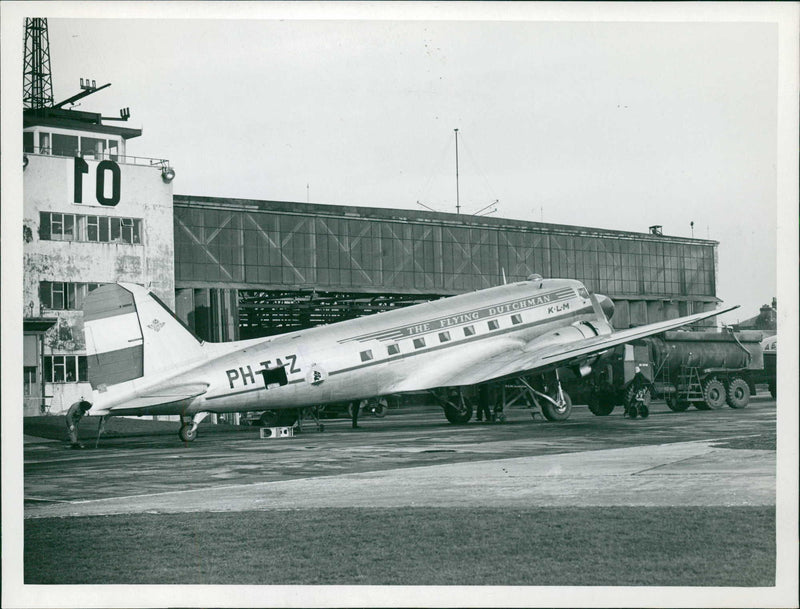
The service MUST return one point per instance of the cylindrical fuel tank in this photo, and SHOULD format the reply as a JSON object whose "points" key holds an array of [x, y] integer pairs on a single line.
{"points": [[707, 350]]}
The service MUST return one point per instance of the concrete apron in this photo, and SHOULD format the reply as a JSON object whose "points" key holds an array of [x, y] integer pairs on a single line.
{"points": [[681, 475]]}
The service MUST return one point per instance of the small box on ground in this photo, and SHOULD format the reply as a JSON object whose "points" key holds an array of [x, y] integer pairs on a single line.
{"points": [[276, 432]]}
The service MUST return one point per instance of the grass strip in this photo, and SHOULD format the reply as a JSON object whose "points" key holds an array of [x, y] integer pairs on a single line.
{"points": [[618, 546]]}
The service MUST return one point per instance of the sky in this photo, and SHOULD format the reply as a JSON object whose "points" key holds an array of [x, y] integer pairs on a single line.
{"points": [[611, 125], [618, 125]]}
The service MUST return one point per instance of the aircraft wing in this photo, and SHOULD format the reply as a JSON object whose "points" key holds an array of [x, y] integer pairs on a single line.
{"points": [[518, 357]]}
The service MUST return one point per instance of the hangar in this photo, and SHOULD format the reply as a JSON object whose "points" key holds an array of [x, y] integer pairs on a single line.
{"points": [[246, 268]]}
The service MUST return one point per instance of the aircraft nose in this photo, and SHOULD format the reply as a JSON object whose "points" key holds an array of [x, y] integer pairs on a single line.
{"points": [[606, 304]]}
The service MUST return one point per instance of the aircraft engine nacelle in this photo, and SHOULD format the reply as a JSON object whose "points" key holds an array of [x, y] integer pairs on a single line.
{"points": [[577, 331]]}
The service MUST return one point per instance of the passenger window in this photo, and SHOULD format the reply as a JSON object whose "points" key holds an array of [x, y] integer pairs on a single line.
{"points": [[444, 337], [419, 343], [469, 330], [366, 355], [494, 324], [393, 349], [516, 319]]}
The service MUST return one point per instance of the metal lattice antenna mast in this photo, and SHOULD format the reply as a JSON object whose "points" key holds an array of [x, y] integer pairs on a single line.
{"points": [[37, 84]]}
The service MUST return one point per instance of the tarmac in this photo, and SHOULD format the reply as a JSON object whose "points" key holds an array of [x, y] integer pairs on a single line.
{"points": [[413, 458]]}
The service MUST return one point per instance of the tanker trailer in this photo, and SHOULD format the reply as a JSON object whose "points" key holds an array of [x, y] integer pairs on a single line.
{"points": [[706, 369]]}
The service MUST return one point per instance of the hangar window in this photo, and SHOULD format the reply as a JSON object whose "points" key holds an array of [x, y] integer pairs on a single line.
{"points": [[516, 319], [65, 369], [419, 343], [469, 330], [56, 227], [444, 337], [68, 296], [366, 355], [97, 229], [493, 324], [393, 349], [65, 145]]}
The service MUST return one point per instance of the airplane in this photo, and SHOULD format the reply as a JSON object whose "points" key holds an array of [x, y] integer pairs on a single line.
{"points": [[143, 360]]}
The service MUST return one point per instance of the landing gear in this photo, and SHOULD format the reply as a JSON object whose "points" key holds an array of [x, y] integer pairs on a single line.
{"points": [[188, 431], [457, 403], [560, 408], [278, 418]]}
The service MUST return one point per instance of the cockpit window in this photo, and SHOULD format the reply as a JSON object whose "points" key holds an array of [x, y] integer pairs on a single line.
{"points": [[583, 293]]}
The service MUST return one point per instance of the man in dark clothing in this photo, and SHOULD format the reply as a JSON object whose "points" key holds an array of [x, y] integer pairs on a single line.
{"points": [[73, 417], [354, 408], [483, 404]]}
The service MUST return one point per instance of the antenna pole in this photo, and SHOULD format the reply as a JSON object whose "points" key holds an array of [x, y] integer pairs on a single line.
{"points": [[458, 202]]}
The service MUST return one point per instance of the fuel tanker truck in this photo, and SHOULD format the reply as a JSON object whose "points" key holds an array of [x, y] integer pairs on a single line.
{"points": [[705, 369]]}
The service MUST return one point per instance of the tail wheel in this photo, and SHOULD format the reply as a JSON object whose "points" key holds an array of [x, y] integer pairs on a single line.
{"points": [[714, 393], [552, 412], [676, 405], [738, 393], [187, 432]]}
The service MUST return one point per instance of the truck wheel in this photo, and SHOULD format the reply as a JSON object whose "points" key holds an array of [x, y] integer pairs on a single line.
{"points": [[738, 393], [599, 407], [676, 405], [714, 393], [552, 412]]}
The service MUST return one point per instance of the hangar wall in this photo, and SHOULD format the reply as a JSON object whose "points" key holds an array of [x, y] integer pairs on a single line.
{"points": [[278, 257]]}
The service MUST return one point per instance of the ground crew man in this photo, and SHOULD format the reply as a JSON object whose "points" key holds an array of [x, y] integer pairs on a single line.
{"points": [[73, 417], [483, 404]]}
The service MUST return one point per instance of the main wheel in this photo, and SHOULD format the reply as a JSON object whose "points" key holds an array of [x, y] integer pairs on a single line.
{"points": [[599, 406], [457, 404], [738, 393], [458, 416], [552, 412], [643, 410], [187, 433], [380, 406], [676, 405], [714, 393]]}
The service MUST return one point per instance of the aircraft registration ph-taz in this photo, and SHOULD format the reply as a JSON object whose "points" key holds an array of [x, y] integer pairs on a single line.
{"points": [[144, 361]]}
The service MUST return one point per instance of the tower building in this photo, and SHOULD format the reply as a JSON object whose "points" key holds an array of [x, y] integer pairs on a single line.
{"points": [[92, 214]]}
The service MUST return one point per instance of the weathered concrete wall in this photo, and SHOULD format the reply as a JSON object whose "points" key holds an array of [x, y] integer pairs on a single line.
{"points": [[49, 186]]}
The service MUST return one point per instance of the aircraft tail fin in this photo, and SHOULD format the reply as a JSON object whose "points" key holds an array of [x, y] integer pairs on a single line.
{"points": [[130, 333]]}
